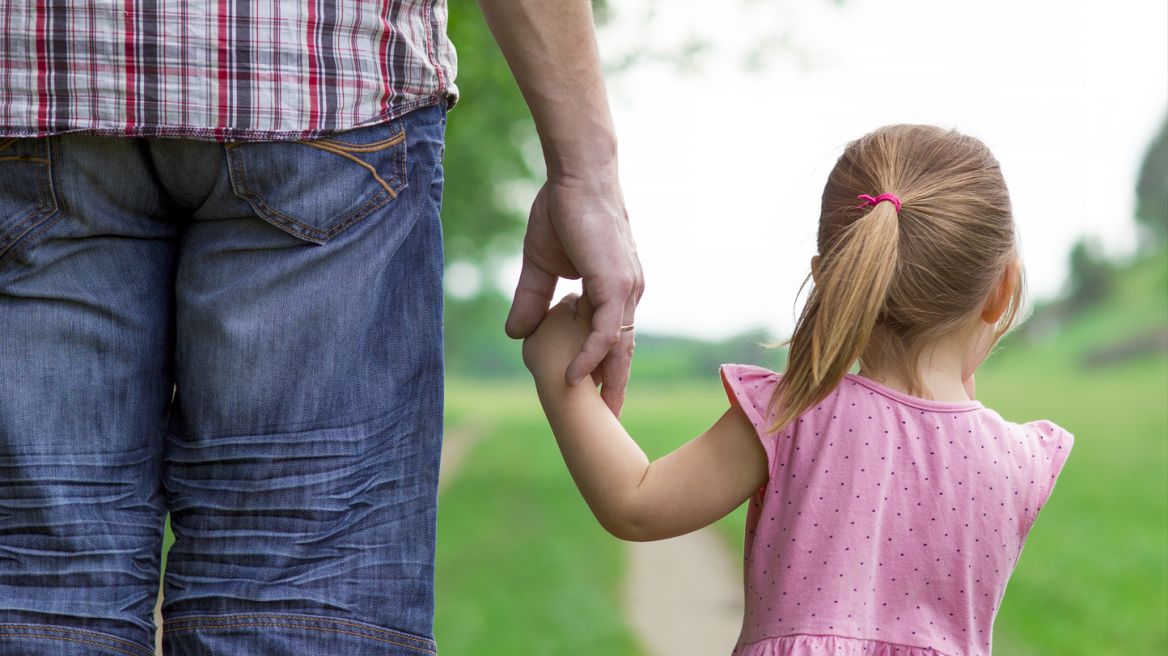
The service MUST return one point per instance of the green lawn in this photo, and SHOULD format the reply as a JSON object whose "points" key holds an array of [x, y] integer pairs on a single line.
{"points": [[524, 568], [1093, 578]]}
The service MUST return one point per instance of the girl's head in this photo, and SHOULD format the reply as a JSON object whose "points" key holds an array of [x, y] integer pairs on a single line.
{"points": [[888, 283]]}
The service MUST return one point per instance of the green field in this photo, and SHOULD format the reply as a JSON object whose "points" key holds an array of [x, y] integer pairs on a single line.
{"points": [[523, 568]]}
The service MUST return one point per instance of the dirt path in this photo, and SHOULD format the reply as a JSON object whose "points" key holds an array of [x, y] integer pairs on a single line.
{"points": [[684, 596], [456, 443]]}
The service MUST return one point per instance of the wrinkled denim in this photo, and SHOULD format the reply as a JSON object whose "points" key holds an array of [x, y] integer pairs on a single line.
{"points": [[247, 336]]}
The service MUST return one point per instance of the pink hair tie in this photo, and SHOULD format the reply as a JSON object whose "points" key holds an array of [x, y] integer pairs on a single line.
{"points": [[868, 200]]}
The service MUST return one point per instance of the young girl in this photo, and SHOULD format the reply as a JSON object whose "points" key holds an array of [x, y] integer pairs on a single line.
{"points": [[888, 508]]}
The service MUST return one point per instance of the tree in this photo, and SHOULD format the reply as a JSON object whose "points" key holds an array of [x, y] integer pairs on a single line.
{"points": [[485, 138], [1152, 191], [1091, 278]]}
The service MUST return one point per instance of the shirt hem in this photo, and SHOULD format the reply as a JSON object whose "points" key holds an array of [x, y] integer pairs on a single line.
{"points": [[754, 644], [228, 134]]}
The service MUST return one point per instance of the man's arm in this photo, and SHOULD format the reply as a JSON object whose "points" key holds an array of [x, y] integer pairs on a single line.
{"points": [[578, 226]]}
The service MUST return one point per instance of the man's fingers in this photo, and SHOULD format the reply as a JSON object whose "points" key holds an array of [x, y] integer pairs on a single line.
{"points": [[615, 373], [533, 297], [605, 335], [615, 368]]}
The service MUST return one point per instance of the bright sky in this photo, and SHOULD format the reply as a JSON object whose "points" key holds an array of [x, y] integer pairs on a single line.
{"points": [[722, 164]]}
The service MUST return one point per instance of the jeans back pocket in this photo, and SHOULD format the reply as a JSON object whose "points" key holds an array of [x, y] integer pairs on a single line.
{"points": [[27, 195], [316, 188]]}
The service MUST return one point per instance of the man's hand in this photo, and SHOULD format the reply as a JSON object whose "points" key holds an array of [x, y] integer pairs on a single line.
{"points": [[578, 226], [578, 230]]}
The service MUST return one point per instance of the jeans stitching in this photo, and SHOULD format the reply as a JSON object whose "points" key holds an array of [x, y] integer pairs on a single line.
{"points": [[31, 219], [360, 214], [348, 154], [57, 205], [297, 626], [87, 642], [360, 148], [301, 619], [64, 630], [24, 159], [58, 200], [46, 207], [28, 241], [357, 216]]}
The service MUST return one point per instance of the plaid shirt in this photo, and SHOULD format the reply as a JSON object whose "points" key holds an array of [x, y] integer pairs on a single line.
{"points": [[219, 69]]}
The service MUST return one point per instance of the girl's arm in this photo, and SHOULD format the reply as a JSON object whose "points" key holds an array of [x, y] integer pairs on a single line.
{"points": [[632, 498]]}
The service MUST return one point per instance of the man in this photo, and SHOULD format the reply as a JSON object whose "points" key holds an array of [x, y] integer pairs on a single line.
{"points": [[220, 296]]}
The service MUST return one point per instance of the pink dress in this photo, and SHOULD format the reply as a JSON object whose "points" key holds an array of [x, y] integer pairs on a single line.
{"points": [[890, 524]]}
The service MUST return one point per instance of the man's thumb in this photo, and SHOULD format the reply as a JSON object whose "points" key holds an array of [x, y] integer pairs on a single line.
{"points": [[533, 297]]}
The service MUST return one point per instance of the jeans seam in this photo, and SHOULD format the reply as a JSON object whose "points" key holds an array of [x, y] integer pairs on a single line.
{"points": [[366, 210], [57, 205], [48, 204], [31, 219], [357, 216], [392, 141], [29, 240], [32, 627], [301, 618], [167, 628]]}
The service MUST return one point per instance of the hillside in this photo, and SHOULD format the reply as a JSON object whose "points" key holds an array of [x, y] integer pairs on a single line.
{"points": [[1129, 322], [1094, 576]]}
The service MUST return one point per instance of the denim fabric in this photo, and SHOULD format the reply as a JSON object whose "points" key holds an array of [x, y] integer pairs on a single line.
{"points": [[249, 337]]}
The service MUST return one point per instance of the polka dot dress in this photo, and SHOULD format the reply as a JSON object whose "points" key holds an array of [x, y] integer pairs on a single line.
{"points": [[890, 524]]}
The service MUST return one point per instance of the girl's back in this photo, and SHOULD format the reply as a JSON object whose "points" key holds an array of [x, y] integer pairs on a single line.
{"points": [[888, 521]]}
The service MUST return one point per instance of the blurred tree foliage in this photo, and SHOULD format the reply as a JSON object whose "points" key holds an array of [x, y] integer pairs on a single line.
{"points": [[1092, 277], [491, 150], [475, 342], [484, 154], [492, 161], [484, 141], [1152, 191]]}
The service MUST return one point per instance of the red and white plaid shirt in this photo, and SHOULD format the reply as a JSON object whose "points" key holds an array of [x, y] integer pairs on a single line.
{"points": [[218, 69]]}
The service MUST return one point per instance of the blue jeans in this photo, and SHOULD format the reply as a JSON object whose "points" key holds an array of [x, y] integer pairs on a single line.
{"points": [[247, 337]]}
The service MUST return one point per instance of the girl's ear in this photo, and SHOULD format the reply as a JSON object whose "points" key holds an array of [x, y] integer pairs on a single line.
{"points": [[999, 299], [815, 268]]}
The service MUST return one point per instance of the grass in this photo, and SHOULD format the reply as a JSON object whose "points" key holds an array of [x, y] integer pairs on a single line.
{"points": [[522, 567], [1093, 578]]}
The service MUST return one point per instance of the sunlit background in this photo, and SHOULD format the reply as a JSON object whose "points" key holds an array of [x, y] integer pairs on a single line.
{"points": [[724, 156], [730, 116], [730, 119]]}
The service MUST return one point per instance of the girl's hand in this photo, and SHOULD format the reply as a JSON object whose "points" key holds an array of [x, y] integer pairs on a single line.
{"points": [[557, 340], [632, 498]]}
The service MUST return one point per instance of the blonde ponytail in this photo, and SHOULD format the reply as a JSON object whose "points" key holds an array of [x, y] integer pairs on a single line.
{"points": [[893, 276], [841, 311]]}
